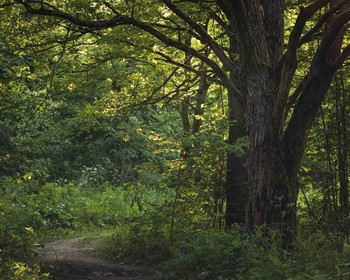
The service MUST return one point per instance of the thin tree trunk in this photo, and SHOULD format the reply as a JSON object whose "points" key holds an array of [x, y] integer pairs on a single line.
{"points": [[236, 168], [200, 100], [330, 172], [342, 149], [236, 173]]}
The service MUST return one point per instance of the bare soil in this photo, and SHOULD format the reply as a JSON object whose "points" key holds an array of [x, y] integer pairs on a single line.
{"points": [[80, 259]]}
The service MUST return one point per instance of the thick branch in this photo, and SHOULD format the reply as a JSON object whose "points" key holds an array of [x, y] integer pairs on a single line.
{"points": [[273, 18], [341, 59], [206, 38], [288, 63], [309, 35], [334, 32]]}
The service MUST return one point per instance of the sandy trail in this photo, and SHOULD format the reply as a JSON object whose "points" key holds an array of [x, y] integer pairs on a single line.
{"points": [[79, 259]]}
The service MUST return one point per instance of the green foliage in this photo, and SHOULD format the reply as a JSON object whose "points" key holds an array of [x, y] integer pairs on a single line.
{"points": [[51, 210], [17, 251], [208, 256], [51, 206], [230, 255], [143, 238], [225, 255], [17, 242], [324, 182], [138, 247], [21, 271]]}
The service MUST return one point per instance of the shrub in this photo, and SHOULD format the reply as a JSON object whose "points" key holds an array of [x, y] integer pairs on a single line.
{"points": [[231, 255], [147, 248], [17, 252]]}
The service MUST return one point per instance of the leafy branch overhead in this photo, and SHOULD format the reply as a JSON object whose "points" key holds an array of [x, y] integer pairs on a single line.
{"points": [[48, 10], [287, 61]]}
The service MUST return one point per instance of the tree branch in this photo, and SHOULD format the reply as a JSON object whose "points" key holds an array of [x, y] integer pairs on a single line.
{"points": [[313, 92], [220, 21], [304, 15], [342, 58], [205, 37], [157, 89], [307, 37], [294, 97], [333, 30], [125, 20], [108, 5], [169, 60], [288, 63]]}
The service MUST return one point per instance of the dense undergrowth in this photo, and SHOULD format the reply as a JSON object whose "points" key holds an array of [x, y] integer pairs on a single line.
{"points": [[32, 213], [214, 254]]}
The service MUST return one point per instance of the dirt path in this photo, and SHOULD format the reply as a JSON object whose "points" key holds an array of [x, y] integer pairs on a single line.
{"points": [[79, 259]]}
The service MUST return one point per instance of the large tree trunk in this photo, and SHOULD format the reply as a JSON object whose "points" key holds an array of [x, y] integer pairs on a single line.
{"points": [[274, 158], [260, 47], [268, 184]]}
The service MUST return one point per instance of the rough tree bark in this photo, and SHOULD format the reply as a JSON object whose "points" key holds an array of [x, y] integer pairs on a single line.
{"points": [[274, 156]]}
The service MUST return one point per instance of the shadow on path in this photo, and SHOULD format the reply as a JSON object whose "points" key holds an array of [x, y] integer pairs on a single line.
{"points": [[79, 259]]}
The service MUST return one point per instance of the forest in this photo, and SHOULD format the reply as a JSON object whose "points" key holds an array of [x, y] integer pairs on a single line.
{"points": [[200, 139]]}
